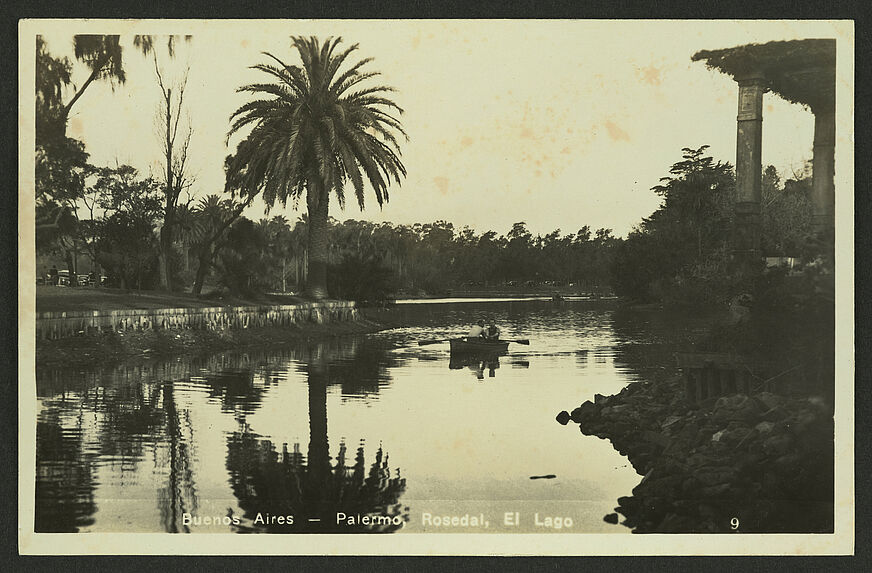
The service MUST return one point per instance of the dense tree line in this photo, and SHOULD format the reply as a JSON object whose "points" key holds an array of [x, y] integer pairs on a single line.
{"points": [[117, 217], [682, 251]]}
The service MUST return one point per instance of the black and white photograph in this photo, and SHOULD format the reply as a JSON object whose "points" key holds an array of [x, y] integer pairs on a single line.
{"points": [[486, 287]]}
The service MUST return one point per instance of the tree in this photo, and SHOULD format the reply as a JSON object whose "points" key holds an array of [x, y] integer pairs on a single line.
{"points": [[786, 212], [312, 130], [240, 260], [684, 242], [126, 234], [61, 162], [103, 55], [53, 75], [174, 148], [214, 217]]}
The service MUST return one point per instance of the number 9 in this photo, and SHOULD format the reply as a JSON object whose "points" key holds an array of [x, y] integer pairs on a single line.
{"points": [[734, 523]]}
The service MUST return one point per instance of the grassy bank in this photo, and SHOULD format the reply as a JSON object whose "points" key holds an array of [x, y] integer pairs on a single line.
{"points": [[114, 347]]}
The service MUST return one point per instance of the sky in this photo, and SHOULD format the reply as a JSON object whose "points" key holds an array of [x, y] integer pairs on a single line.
{"points": [[557, 123]]}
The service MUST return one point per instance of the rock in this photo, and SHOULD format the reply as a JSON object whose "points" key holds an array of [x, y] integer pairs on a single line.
{"points": [[748, 412], [775, 414], [716, 437], [804, 419], [714, 490], [628, 503], [737, 436], [730, 402], [735, 408], [689, 485], [715, 475], [587, 411], [764, 427], [656, 438], [787, 461], [777, 445], [563, 418], [770, 400], [702, 437], [614, 411], [645, 478], [611, 518]]}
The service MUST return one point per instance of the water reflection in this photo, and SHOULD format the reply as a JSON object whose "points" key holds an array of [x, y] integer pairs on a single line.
{"points": [[477, 363], [270, 484], [178, 495], [140, 446], [64, 480], [313, 491], [109, 435], [646, 340]]}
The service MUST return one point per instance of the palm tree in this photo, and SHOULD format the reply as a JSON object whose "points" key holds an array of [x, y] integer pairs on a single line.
{"points": [[313, 130], [214, 217]]}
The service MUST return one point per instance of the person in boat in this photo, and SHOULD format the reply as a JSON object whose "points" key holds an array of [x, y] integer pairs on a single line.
{"points": [[492, 332], [477, 331]]}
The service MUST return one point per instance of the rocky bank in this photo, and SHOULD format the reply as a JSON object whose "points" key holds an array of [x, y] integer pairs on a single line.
{"points": [[759, 463]]}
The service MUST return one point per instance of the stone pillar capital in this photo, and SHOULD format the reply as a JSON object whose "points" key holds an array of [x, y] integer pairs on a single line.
{"points": [[755, 79], [751, 99]]}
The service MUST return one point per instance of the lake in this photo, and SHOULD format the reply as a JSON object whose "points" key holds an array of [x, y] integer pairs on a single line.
{"points": [[358, 433]]}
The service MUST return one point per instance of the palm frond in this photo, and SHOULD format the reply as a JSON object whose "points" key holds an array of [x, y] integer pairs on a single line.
{"points": [[310, 133]]}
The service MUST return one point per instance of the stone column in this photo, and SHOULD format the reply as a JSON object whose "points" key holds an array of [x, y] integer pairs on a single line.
{"points": [[823, 194], [749, 142]]}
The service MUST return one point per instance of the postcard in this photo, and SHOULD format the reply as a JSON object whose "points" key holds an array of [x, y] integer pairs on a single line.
{"points": [[436, 287]]}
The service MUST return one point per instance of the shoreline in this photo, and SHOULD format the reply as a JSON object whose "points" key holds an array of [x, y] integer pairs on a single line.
{"points": [[100, 348], [116, 347]]}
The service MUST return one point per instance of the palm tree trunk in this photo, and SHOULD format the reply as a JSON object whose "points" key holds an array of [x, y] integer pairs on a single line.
{"points": [[318, 463], [319, 450], [316, 275]]}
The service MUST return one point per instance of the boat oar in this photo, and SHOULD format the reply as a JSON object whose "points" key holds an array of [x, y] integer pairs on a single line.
{"points": [[426, 342], [516, 341]]}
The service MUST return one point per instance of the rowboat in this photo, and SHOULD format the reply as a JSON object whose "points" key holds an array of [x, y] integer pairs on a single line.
{"points": [[478, 346]]}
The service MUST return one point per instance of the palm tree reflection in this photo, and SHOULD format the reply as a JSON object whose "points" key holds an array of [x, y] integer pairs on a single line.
{"points": [[134, 423], [270, 484]]}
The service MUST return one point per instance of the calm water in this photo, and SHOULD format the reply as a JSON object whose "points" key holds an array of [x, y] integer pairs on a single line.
{"points": [[336, 430]]}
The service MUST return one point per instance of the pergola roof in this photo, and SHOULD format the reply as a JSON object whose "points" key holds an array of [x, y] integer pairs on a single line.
{"points": [[800, 71]]}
